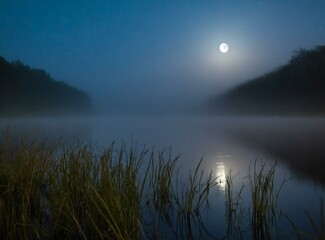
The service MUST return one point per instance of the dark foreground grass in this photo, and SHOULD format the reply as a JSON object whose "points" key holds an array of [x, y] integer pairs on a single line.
{"points": [[83, 192], [86, 193]]}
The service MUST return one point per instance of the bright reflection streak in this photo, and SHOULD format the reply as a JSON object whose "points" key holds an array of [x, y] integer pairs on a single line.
{"points": [[221, 175]]}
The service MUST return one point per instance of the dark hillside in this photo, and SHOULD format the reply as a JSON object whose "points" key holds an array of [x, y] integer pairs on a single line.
{"points": [[24, 90], [297, 88]]}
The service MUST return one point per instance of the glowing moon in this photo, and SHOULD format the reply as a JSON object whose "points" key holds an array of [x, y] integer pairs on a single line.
{"points": [[223, 47]]}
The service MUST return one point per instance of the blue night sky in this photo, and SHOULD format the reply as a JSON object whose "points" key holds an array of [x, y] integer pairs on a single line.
{"points": [[146, 55]]}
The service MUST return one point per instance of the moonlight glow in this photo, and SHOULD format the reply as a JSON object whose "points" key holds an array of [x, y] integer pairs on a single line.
{"points": [[223, 47]]}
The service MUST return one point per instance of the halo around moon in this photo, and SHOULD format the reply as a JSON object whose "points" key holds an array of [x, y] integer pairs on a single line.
{"points": [[224, 47]]}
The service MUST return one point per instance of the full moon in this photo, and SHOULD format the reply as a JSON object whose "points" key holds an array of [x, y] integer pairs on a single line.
{"points": [[223, 47]]}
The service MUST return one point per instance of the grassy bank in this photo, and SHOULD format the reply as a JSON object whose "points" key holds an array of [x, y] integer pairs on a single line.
{"points": [[85, 192]]}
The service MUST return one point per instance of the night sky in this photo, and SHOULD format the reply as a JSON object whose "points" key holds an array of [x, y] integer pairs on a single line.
{"points": [[150, 55]]}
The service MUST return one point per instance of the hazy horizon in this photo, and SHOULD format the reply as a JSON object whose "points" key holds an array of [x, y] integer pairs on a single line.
{"points": [[157, 56], [158, 153]]}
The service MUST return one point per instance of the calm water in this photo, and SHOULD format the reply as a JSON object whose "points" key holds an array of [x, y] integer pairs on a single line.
{"points": [[298, 144]]}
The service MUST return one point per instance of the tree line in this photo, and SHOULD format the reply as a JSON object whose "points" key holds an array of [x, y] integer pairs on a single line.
{"points": [[297, 88], [24, 90]]}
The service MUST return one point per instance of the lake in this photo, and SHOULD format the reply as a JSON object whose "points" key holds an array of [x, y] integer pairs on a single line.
{"points": [[224, 143]]}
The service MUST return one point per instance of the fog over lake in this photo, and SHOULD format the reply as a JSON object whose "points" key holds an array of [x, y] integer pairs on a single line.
{"points": [[237, 84], [225, 144]]}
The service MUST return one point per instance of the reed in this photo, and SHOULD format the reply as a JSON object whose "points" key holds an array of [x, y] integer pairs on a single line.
{"points": [[85, 192], [22, 187], [264, 201], [72, 194], [82, 192], [234, 209], [319, 230], [190, 198], [158, 187]]}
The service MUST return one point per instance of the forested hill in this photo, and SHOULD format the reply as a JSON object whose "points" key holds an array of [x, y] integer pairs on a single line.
{"points": [[297, 88], [24, 90]]}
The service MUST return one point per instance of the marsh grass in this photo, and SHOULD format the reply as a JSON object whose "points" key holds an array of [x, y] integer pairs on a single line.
{"points": [[22, 185], [73, 194], [190, 199], [261, 214], [83, 192], [174, 202], [319, 230], [264, 201], [234, 209], [120, 192]]}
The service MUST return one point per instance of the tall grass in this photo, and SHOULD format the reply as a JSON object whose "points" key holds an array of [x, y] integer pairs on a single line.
{"points": [[190, 198], [234, 209], [261, 214], [95, 196], [120, 192], [319, 230], [264, 201], [23, 175], [82, 192]]}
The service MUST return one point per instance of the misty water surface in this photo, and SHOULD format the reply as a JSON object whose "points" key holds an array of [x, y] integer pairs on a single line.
{"points": [[298, 144]]}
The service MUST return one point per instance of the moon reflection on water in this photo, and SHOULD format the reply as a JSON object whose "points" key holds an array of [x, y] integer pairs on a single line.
{"points": [[221, 175]]}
